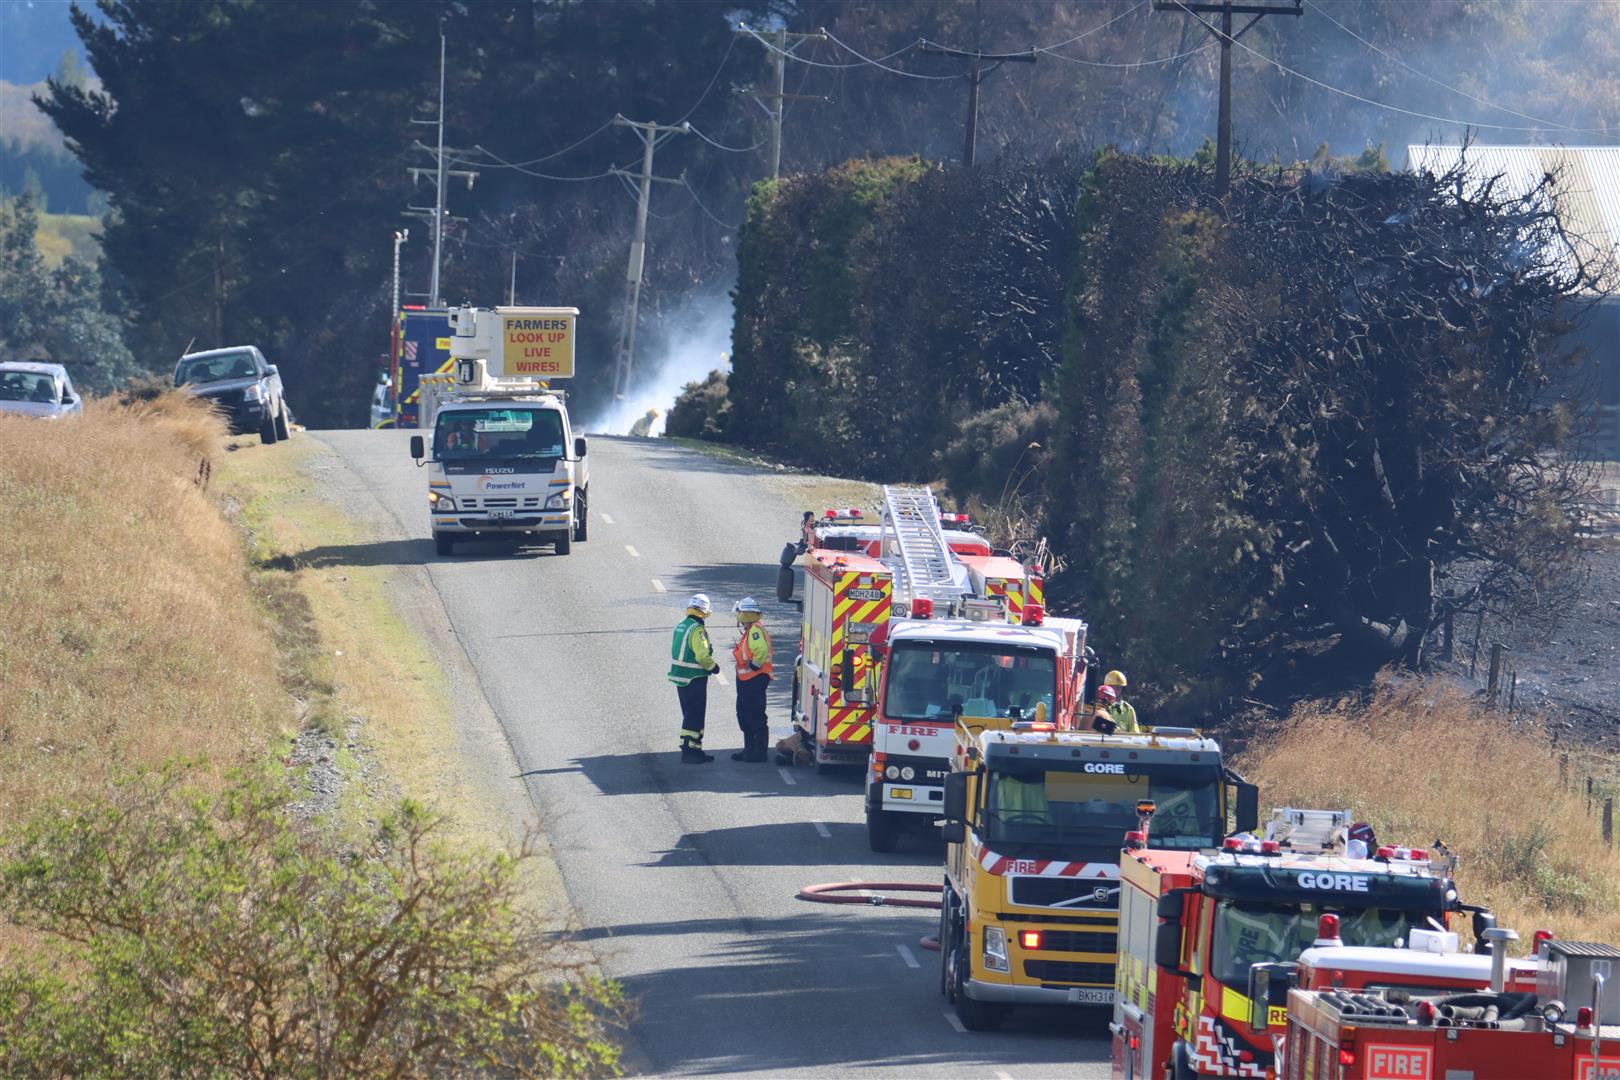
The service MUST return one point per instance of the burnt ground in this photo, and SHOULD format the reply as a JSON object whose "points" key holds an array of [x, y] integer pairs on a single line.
{"points": [[1569, 668]]}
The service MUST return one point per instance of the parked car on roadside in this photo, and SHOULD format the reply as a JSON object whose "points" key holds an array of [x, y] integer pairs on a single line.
{"points": [[242, 385], [34, 388]]}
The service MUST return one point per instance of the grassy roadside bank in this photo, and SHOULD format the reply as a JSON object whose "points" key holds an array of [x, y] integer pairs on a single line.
{"points": [[185, 889]]}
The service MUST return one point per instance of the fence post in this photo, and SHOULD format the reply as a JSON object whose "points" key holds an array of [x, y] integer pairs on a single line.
{"points": [[1513, 688], [1608, 820], [1563, 771], [1494, 680], [1588, 796]]}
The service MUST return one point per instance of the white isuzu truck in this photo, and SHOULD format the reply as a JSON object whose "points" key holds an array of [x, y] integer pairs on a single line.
{"points": [[502, 456]]}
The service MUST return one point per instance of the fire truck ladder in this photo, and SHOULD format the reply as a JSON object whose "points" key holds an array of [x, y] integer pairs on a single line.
{"points": [[926, 564]]}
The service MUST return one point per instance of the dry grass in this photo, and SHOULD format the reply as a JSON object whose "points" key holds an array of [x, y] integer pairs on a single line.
{"points": [[128, 633], [1423, 760]]}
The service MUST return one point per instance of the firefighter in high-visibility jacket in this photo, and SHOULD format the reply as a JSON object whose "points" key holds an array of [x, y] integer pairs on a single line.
{"points": [[752, 654], [691, 662]]}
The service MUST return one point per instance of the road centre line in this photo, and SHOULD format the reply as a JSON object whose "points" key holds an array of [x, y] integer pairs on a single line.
{"points": [[951, 1019], [658, 586], [822, 830], [606, 520], [634, 554], [908, 957], [787, 776]]}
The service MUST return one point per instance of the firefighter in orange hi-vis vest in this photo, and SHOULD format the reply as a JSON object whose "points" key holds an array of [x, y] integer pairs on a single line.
{"points": [[752, 654]]}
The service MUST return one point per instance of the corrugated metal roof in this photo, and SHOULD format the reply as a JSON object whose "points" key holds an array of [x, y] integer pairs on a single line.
{"points": [[1589, 184]]}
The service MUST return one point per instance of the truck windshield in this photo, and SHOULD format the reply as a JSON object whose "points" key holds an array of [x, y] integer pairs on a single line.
{"points": [[467, 434], [1044, 803], [200, 369], [1248, 933], [935, 681]]}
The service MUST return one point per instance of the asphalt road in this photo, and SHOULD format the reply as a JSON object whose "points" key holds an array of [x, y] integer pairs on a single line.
{"points": [[683, 877]]}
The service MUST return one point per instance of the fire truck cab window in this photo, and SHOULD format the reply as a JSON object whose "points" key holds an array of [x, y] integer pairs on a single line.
{"points": [[1046, 802], [1248, 934], [927, 682], [466, 434]]}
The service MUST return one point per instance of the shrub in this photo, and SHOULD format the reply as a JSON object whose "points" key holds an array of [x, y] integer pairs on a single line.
{"points": [[192, 936], [702, 411]]}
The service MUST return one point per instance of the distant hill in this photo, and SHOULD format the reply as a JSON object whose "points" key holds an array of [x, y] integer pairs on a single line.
{"points": [[21, 120], [33, 155]]}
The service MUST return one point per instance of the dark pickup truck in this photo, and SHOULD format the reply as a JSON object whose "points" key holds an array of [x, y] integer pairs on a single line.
{"points": [[241, 385]]}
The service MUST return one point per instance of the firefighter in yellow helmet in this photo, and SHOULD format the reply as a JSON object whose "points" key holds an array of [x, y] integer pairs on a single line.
{"points": [[642, 428], [1113, 712], [752, 654], [691, 662]]}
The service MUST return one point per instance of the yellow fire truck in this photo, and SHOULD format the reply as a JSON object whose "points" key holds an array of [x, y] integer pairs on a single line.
{"points": [[1034, 818]]}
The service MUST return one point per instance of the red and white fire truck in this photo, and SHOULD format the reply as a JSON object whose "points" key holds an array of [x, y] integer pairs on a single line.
{"points": [[1429, 1012], [1200, 931], [913, 563]]}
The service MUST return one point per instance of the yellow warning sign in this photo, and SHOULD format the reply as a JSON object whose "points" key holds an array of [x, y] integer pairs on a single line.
{"points": [[537, 343]]}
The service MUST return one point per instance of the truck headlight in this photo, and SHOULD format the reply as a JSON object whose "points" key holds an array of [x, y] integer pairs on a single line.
{"points": [[907, 773], [995, 949], [560, 500], [443, 504], [253, 393]]}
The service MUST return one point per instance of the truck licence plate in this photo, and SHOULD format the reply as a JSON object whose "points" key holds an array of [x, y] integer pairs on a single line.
{"points": [[500, 515], [1088, 996]]}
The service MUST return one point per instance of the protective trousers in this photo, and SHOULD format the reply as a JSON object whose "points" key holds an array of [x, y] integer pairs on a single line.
{"points": [[694, 705], [751, 716]]}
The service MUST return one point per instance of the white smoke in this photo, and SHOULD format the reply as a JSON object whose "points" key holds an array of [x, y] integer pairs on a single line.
{"points": [[692, 342]]}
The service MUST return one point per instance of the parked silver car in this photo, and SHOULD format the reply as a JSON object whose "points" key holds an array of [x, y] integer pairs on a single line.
{"points": [[38, 389]]}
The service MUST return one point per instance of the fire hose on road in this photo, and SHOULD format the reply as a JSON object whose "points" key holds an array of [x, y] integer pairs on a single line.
{"points": [[875, 894]]}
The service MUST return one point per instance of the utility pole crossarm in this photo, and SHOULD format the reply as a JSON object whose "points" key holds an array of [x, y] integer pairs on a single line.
{"points": [[780, 44], [976, 74], [1283, 7]]}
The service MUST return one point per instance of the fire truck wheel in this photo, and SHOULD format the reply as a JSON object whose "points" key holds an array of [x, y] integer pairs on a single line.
{"points": [[882, 829], [975, 1015], [444, 543], [947, 938], [784, 583], [1179, 1065]]}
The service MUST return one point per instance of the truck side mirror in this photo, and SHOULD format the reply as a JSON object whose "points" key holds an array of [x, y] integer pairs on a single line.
{"points": [[1248, 807], [1167, 946], [579, 446], [1171, 906], [956, 797], [418, 448], [954, 832]]}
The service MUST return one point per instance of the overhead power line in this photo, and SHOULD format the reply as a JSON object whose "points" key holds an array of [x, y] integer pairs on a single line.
{"points": [[865, 61], [1130, 63], [731, 149], [699, 203], [1100, 26], [1286, 70], [1392, 58], [897, 71]]}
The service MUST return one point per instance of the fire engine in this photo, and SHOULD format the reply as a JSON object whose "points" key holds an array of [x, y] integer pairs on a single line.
{"points": [[1033, 815], [962, 610], [1199, 932], [1428, 1012]]}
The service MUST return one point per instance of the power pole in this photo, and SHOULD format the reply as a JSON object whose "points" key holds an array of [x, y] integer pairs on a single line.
{"points": [[439, 174], [511, 288], [649, 132], [1226, 9], [780, 45], [976, 74]]}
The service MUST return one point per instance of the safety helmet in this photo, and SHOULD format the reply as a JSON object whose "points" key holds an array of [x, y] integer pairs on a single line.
{"points": [[1107, 694], [1363, 832], [698, 604], [1115, 678], [746, 609]]}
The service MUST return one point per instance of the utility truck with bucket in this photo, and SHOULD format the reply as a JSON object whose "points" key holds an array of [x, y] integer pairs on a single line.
{"points": [[1204, 934], [503, 460], [1033, 820]]}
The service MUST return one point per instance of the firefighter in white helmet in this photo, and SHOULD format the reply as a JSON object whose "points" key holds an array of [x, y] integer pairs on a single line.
{"points": [[691, 662], [752, 654]]}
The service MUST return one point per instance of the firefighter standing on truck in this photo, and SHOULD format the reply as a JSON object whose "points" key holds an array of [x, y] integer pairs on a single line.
{"points": [[691, 662], [753, 656], [1114, 713]]}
